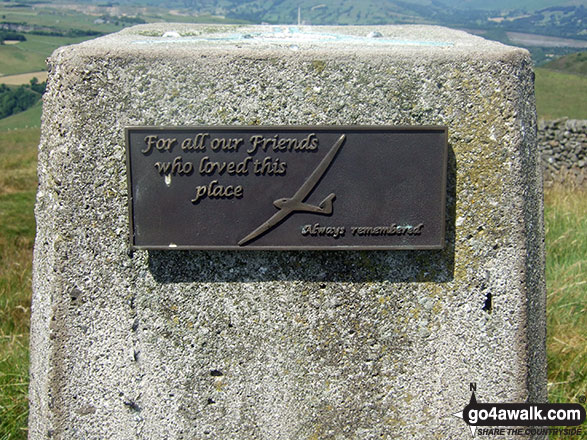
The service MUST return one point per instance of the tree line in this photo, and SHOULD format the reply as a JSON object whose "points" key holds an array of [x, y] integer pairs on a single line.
{"points": [[13, 36], [17, 99]]}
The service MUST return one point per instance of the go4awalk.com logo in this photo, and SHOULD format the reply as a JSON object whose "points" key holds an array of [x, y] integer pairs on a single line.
{"points": [[524, 419]]}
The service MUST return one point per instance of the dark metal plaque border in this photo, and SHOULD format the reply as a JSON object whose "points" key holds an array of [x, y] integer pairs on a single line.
{"points": [[226, 130]]}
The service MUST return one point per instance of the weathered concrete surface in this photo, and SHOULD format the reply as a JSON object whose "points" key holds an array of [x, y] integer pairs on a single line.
{"points": [[285, 345]]}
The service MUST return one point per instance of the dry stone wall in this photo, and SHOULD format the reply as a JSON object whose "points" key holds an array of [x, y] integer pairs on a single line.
{"points": [[563, 147]]}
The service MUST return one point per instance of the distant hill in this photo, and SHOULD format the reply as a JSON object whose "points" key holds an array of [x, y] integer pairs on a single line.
{"points": [[493, 5], [560, 86], [574, 63], [510, 5], [558, 18]]}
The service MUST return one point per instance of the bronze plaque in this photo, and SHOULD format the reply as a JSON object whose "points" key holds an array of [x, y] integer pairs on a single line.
{"points": [[287, 188]]}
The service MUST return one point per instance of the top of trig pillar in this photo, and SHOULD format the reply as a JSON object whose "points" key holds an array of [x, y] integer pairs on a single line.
{"points": [[175, 39]]}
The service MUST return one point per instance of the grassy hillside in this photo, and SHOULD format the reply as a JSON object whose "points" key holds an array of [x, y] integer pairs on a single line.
{"points": [[574, 63], [30, 55], [18, 182], [560, 94], [27, 119], [566, 258], [45, 29], [527, 5], [58, 16], [333, 12]]}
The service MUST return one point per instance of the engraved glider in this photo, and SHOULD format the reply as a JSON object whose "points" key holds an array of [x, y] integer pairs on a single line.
{"points": [[296, 203]]}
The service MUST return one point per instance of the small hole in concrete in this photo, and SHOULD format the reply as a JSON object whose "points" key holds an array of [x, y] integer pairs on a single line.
{"points": [[132, 405], [75, 294], [487, 306]]}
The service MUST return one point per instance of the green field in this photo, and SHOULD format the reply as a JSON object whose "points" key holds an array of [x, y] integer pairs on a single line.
{"points": [[560, 94], [28, 119], [59, 18], [18, 183], [575, 63], [30, 55]]}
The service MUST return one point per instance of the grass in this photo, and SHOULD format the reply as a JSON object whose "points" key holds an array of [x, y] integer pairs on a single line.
{"points": [[28, 119], [30, 55], [574, 63], [566, 244], [566, 250], [18, 183], [560, 94]]}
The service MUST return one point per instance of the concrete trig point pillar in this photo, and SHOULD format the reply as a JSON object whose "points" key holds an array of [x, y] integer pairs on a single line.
{"points": [[285, 344]]}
